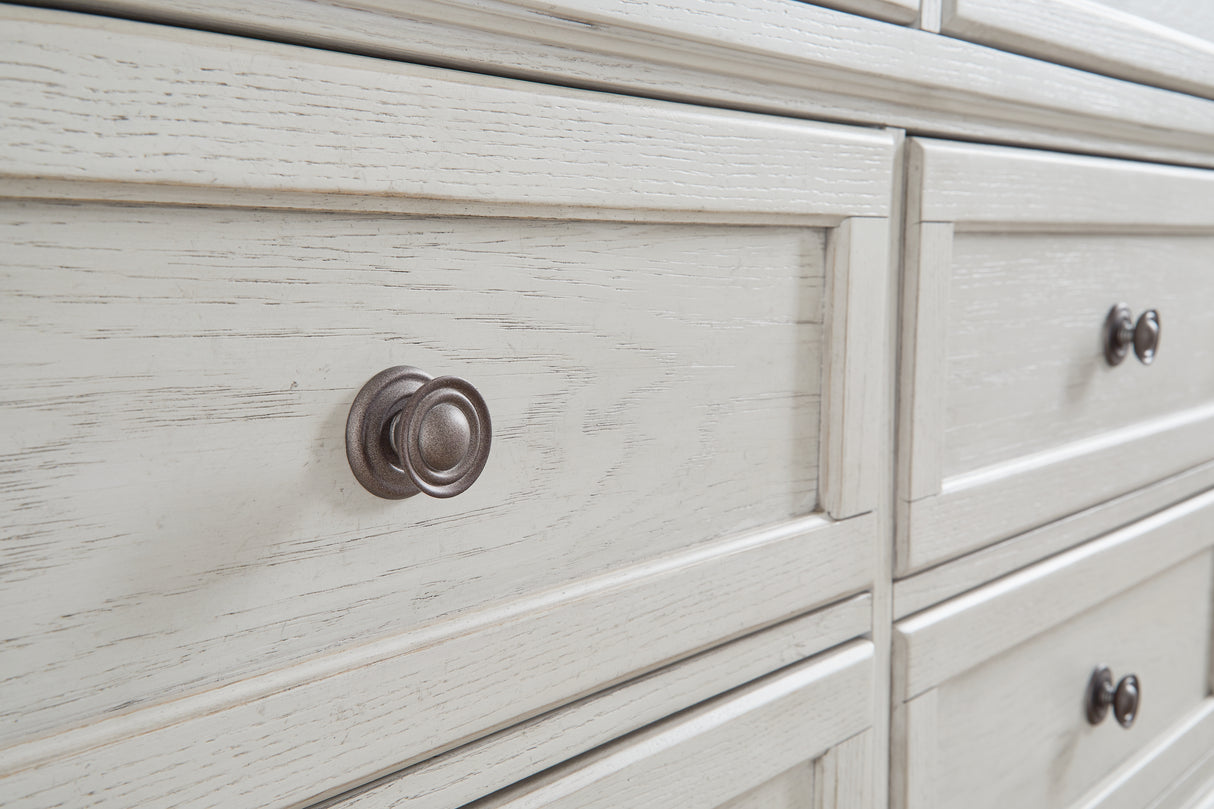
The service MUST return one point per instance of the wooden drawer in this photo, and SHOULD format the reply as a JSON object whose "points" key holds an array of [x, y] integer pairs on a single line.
{"points": [[1168, 44], [1011, 415], [668, 310], [798, 737], [1001, 675]]}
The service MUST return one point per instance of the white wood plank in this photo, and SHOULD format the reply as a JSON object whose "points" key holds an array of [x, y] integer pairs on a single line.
{"points": [[791, 789], [977, 509], [979, 186], [922, 590], [844, 777], [509, 756], [716, 751], [944, 641], [403, 131], [900, 11], [1159, 768], [1094, 36], [928, 267], [858, 264], [914, 762], [1025, 705], [931, 13], [274, 736], [776, 56]]}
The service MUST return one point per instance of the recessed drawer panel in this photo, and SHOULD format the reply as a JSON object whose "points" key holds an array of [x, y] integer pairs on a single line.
{"points": [[1014, 413], [1000, 706], [668, 312]]}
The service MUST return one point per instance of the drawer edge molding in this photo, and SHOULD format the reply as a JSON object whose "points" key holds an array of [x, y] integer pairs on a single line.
{"points": [[941, 642], [773, 713], [520, 751], [406, 131], [266, 733]]}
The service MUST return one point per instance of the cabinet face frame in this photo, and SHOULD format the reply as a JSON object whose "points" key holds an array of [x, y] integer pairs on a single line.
{"points": [[956, 187], [268, 740]]}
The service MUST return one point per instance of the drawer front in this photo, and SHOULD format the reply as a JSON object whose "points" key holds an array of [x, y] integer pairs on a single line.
{"points": [[785, 740], [1002, 675], [667, 362], [1014, 416], [1168, 44]]}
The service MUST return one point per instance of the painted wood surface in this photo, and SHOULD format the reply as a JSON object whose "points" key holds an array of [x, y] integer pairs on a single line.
{"points": [[773, 56], [721, 749], [510, 755], [1011, 415], [200, 110], [1167, 44], [900, 11], [937, 584], [1026, 705]]}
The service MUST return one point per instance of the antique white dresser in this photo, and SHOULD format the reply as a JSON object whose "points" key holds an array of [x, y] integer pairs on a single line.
{"points": [[733, 404]]}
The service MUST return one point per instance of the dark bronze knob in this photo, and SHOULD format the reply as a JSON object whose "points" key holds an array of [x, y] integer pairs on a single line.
{"points": [[408, 432], [1121, 332], [1124, 697]]}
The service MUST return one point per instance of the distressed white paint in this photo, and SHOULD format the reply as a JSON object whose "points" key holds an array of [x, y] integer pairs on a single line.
{"points": [[774, 56], [737, 742], [1011, 416], [1026, 705], [522, 750], [1166, 44]]}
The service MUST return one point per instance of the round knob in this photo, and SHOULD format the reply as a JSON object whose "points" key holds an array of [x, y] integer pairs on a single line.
{"points": [[1123, 697], [1121, 332], [408, 432], [1146, 336], [1125, 700]]}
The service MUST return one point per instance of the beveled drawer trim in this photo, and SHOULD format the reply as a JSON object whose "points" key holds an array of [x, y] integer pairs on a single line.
{"points": [[297, 120], [736, 741], [944, 641], [509, 756], [260, 740]]}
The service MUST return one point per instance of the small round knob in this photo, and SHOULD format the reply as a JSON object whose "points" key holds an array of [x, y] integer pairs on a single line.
{"points": [[1146, 336], [408, 432], [1101, 693], [1121, 332]]}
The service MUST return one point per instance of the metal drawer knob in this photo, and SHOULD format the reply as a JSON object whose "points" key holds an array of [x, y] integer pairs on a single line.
{"points": [[408, 432], [1123, 697], [1121, 332]]}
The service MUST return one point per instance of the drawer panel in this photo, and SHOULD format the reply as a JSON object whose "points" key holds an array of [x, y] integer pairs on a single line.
{"points": [[1014, 416], [1002, 674], [786, 737], [1167, 44], [191, 557]]}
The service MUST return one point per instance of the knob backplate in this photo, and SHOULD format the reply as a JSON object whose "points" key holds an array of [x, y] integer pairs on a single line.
{"points": [[369, 449]]}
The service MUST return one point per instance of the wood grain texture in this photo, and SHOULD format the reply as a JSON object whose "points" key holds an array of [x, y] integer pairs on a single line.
{"points": [[1156, 777], [901, 11], [936, 584], [716, 751], [942, 642], [1162, 49], [1026, 705], [197, 109], [522, 750], [1023, 432], [983, 187], [853, 400], [844, 776], [773, 56]]}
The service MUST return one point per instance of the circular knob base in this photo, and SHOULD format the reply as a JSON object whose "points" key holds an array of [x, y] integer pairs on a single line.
{"points": [[369, 449]]}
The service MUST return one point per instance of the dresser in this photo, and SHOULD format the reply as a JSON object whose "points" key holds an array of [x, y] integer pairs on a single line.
{"points": [[748, 404]]}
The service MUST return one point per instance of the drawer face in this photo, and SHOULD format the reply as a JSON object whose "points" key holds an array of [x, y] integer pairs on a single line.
{"points": [[1012, 415], [1002, 674], [1168, 44], [177, 385], [668, 310], [1026, 706]]}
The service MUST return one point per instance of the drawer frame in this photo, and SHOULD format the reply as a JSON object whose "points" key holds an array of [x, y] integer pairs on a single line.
{"points": [[269, 740], [953, 187]]}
